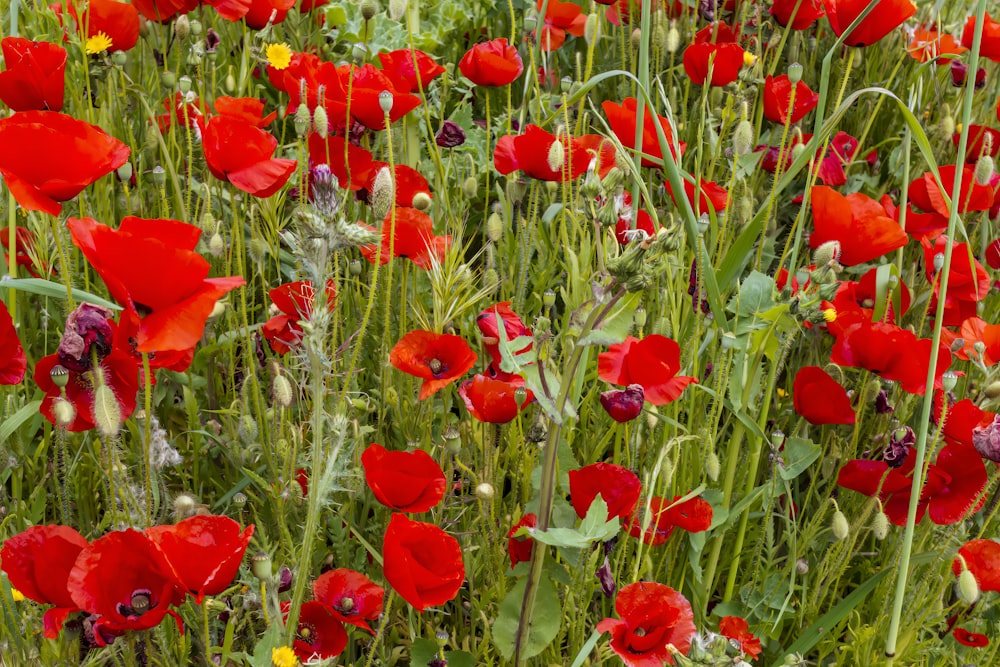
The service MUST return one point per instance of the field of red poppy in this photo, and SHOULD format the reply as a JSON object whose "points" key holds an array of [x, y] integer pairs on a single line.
{"points": [[538, 332]]}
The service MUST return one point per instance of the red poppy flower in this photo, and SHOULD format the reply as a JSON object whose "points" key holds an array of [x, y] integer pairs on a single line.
{"points": [[409, 71], [489, 327], [151, 268], [407, 184], [974, 639], [240, 153], [295, 301], [256, 13], [624, 229], [622, 119], [124, 579], [493, 400], [801, 14], [890, 352], [415, 239], [963, 418], [353, 166], [403, 481], [28, 139], [982, 557], [924, 193], [492, 63], [777, 95], [967, 283], [693, 515], [623, 405], [38, 562], [307, 73], [350, 596], [977, 143], [519, 548], [714, 49], [886, 17], [619, 488], [533, 153], [182, 110], [320, 634], [119, 371], [34, 74], [712, 197], [928, 44], [651, 617], [162, 11], [560, 18], [203, 552], [118, 20], [366, 89], [858, 298], [990, 46], [422, 562], [652, 362], [857, 222], [738, 630], [13, 363], [247, 109], [820, 399], [975, 330]]}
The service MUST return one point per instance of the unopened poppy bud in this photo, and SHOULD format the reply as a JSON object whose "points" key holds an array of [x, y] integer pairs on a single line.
{"points": [[397, 9], [826, 253], [712, 465], [257, 249], [452, 440], [673, 37], [321, 122], [119, 58], [368, 9], [470, 187], [182, 27], [216, 245], [557, 156], [949, 380], [421, 201], [743, 138], [354, 268], [494, 227], [968, 587], [303, 119], [947, 123], [992, 390], [880, 525], [248, 429], [485, 491], [542, 324], [385, 101], [840, 527], [230, 83], [59, 375], [281, 388], [124, 172], [107, 412], [797, 150], [591, 29], [491, 279], [64, 411], [636, 38], [980, 348], [984, 169], [382, 192], [260, 566]]}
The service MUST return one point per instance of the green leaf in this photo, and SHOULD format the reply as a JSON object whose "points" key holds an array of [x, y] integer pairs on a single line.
{"points": [[595, 527], [268, 642], [55, 290], [799, 454], [422, 652], [615, 327], [551, 212], [545, 618], [755, 295], [15, 421]]}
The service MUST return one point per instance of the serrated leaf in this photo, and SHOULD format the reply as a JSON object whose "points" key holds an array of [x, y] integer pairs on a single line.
{"points": [[615, 327], [422, 652], [545, 617], [754, 296], [798, 454], [270, 640], [594, 527]]}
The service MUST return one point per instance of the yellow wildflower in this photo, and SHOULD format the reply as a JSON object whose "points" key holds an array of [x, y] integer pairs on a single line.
{"points": [[283, 657], [278, 56], [98, 43], [16, 594], [830, 315], [749, 59]]}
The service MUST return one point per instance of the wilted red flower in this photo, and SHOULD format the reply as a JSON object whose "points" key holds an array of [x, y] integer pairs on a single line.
{"points": [[714, 48], [778, 94], [295, 301], [494, 399], [353, 166], [203, 552], [712, 197], [622, 119], [800, 13], [439, 359], [533, 152], [889, 351], [560, 18], [350, 596], [652, 616], [28, 139], [118, 20], [492, 63], [738, 630], [240, 153], [652, 362], [34, 74], [119, 372], [162, 11], [409, 71], [403, 481], [421, 562], [256, 13], [883, 19], [990, 46], [820, 399], [519, 548], [982, 557], [857, 222], [977, 143], [38, 562], [623, 405], [643, 222], [489, 327], [151, 268], [414, 239], [123, 578], [320, 633], [928, 44], [973, 639], [693, 515], [13, 363], [619, 487]]}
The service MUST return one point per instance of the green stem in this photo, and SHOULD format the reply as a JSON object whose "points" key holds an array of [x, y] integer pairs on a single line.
{"points": [[12, 239], [147, 379]]}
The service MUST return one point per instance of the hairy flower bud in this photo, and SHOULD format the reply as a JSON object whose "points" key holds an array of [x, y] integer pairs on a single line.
{"points": [[470, 187], [248, 429], [303, 119], [494, 227], [421, 201], [64, 411], [397, 9], [107, 411], [591, 29], [182, 27], [880, 525], [368, 9], [320, 121], [968, 587], [984, 169], [840, 527], [712, 465], [383, 192], [743, 138], [216, 245], [557, 156], [281, 389]]}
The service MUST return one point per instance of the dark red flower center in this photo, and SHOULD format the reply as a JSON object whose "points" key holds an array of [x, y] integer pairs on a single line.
{"points": [[346, 605], [140, 602], [307, 633], [436, 367]]}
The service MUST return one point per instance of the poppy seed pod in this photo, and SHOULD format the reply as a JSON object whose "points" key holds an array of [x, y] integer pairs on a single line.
{"points": [[421, 201], [368, 9], [385, 101], [794, 73], [260, 566], [59, 375]]}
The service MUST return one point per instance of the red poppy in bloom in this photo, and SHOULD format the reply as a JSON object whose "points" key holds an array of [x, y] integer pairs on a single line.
{"points": [[203, 552], [693, 515], [118, 20], [619, 488], [963, 419], [652, 362], [414, 239], [494, 399], [13, 363], [34, 74], [256, 13], [738, 630], [350, 596], [886, 17], [353, 166], [519, 548], [489, 327], [839, 155], [240, 153], [777, 96], [973, 639], [975, 330], [119, 372], [857, 222], [990, 46], [248, 109], [714, 49], [407, 183], [162, 11], [982, 558], [29, 139], [492, 63], [37, 562], [124, 579], [560, 18], [151, 268], [183, 110], [926, 197], [320, 634], [800, 13], [624, 228], [651, 617], [439, 359], [535, 153], [977, 143], [859, 297], [713, 197], [820, 399], [295, 301], [366, 90], [891, 352], [928, 44], [422, 562], [403, 481], [622, 119], [968, 283], [309, 75], [409, 71]]}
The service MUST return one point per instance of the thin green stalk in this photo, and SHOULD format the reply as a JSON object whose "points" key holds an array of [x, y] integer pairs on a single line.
{"points": [[640, 112], [147, 466], [12, 243]]}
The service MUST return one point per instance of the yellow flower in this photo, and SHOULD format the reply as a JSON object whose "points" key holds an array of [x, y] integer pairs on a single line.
{"points": [[16, 594], [278, 56], [781, 392], [830, 315], [98, 43], [283, 657], [749, 59]]}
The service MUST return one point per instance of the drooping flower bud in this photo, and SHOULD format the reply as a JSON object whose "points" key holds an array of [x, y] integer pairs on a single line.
{"points": [[397, 9], [450, 135], [968, 587], [470, 187], [841, 528], [494, 227], [743, 138], [182, 27], [303, 119], [880, 525], [281, 389], [591, 29], [64, 411], [826, 253], [623, 405], [248, 430]]}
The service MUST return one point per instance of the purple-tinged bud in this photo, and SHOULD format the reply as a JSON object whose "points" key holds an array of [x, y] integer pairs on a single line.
{"points": [[284, 579], [986, 440], [900, 442], [607, 579], [450, 135], [882, 405], [959, 72], [624, 405], [87, 328]]}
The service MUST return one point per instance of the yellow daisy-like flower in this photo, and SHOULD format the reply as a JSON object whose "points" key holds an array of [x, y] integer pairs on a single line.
{"points": [[283, 657], [16, 594], [278, 56], [830, 315], [749, 59], [98, 43]]}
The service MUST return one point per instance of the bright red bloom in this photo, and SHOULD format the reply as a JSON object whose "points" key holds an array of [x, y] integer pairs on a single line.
{"points": [[619, 488], [409, 71], [712, 197], [973, 639], [652, 615], [13, 363], [859, 297], [643, 221], [121, 374], [963, 418], [967, 283], [439, 359], [532, 152], [29, 139], [182, 110], [353, 166], [320, 633], [886, 17], [924, 193], [820, 399], [513, 327], [652, 362], [38, 562], [838, 156], [422, 562], [403, 481], [117, 20], [34, 74], [738, 630], [693, 515], [151, 268], [976, 330], [622, 119], [256, 13], [407, 183], [247, 109], [203, 552], [519, 548], [714, 48], [560, 18], [785, 12], [366, 88], [857, 222], [162, 11], [977, 142], [990, 46], [306, 71], [777, 95], [350, 596], [493, 400], [890, 352], [240, 153], [493, 63], [295, 301], [126, 581], [928, 44], [982, 557], [414, 239]]}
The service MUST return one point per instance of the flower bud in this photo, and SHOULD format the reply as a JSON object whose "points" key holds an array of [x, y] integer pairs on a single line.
{"points": [[185, 506], [992, 390], [64, 411], [107, 411], [216, 245], [984, 169], [368, 9], [470, 187], [636, 38], [841, 528], [320, 121], [119, 58], [712, 465], [673, 38], [421, 201], [281, 389], [743, 138], [383, 192], [794, 73], [397, 9], [182, 27], [968, 587], [591, 29], [230, 84], [797, 150], [880, 525], [248, 430], [303, 119], [494, 227], [485, 491], [557, 156], [168, 79]]}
